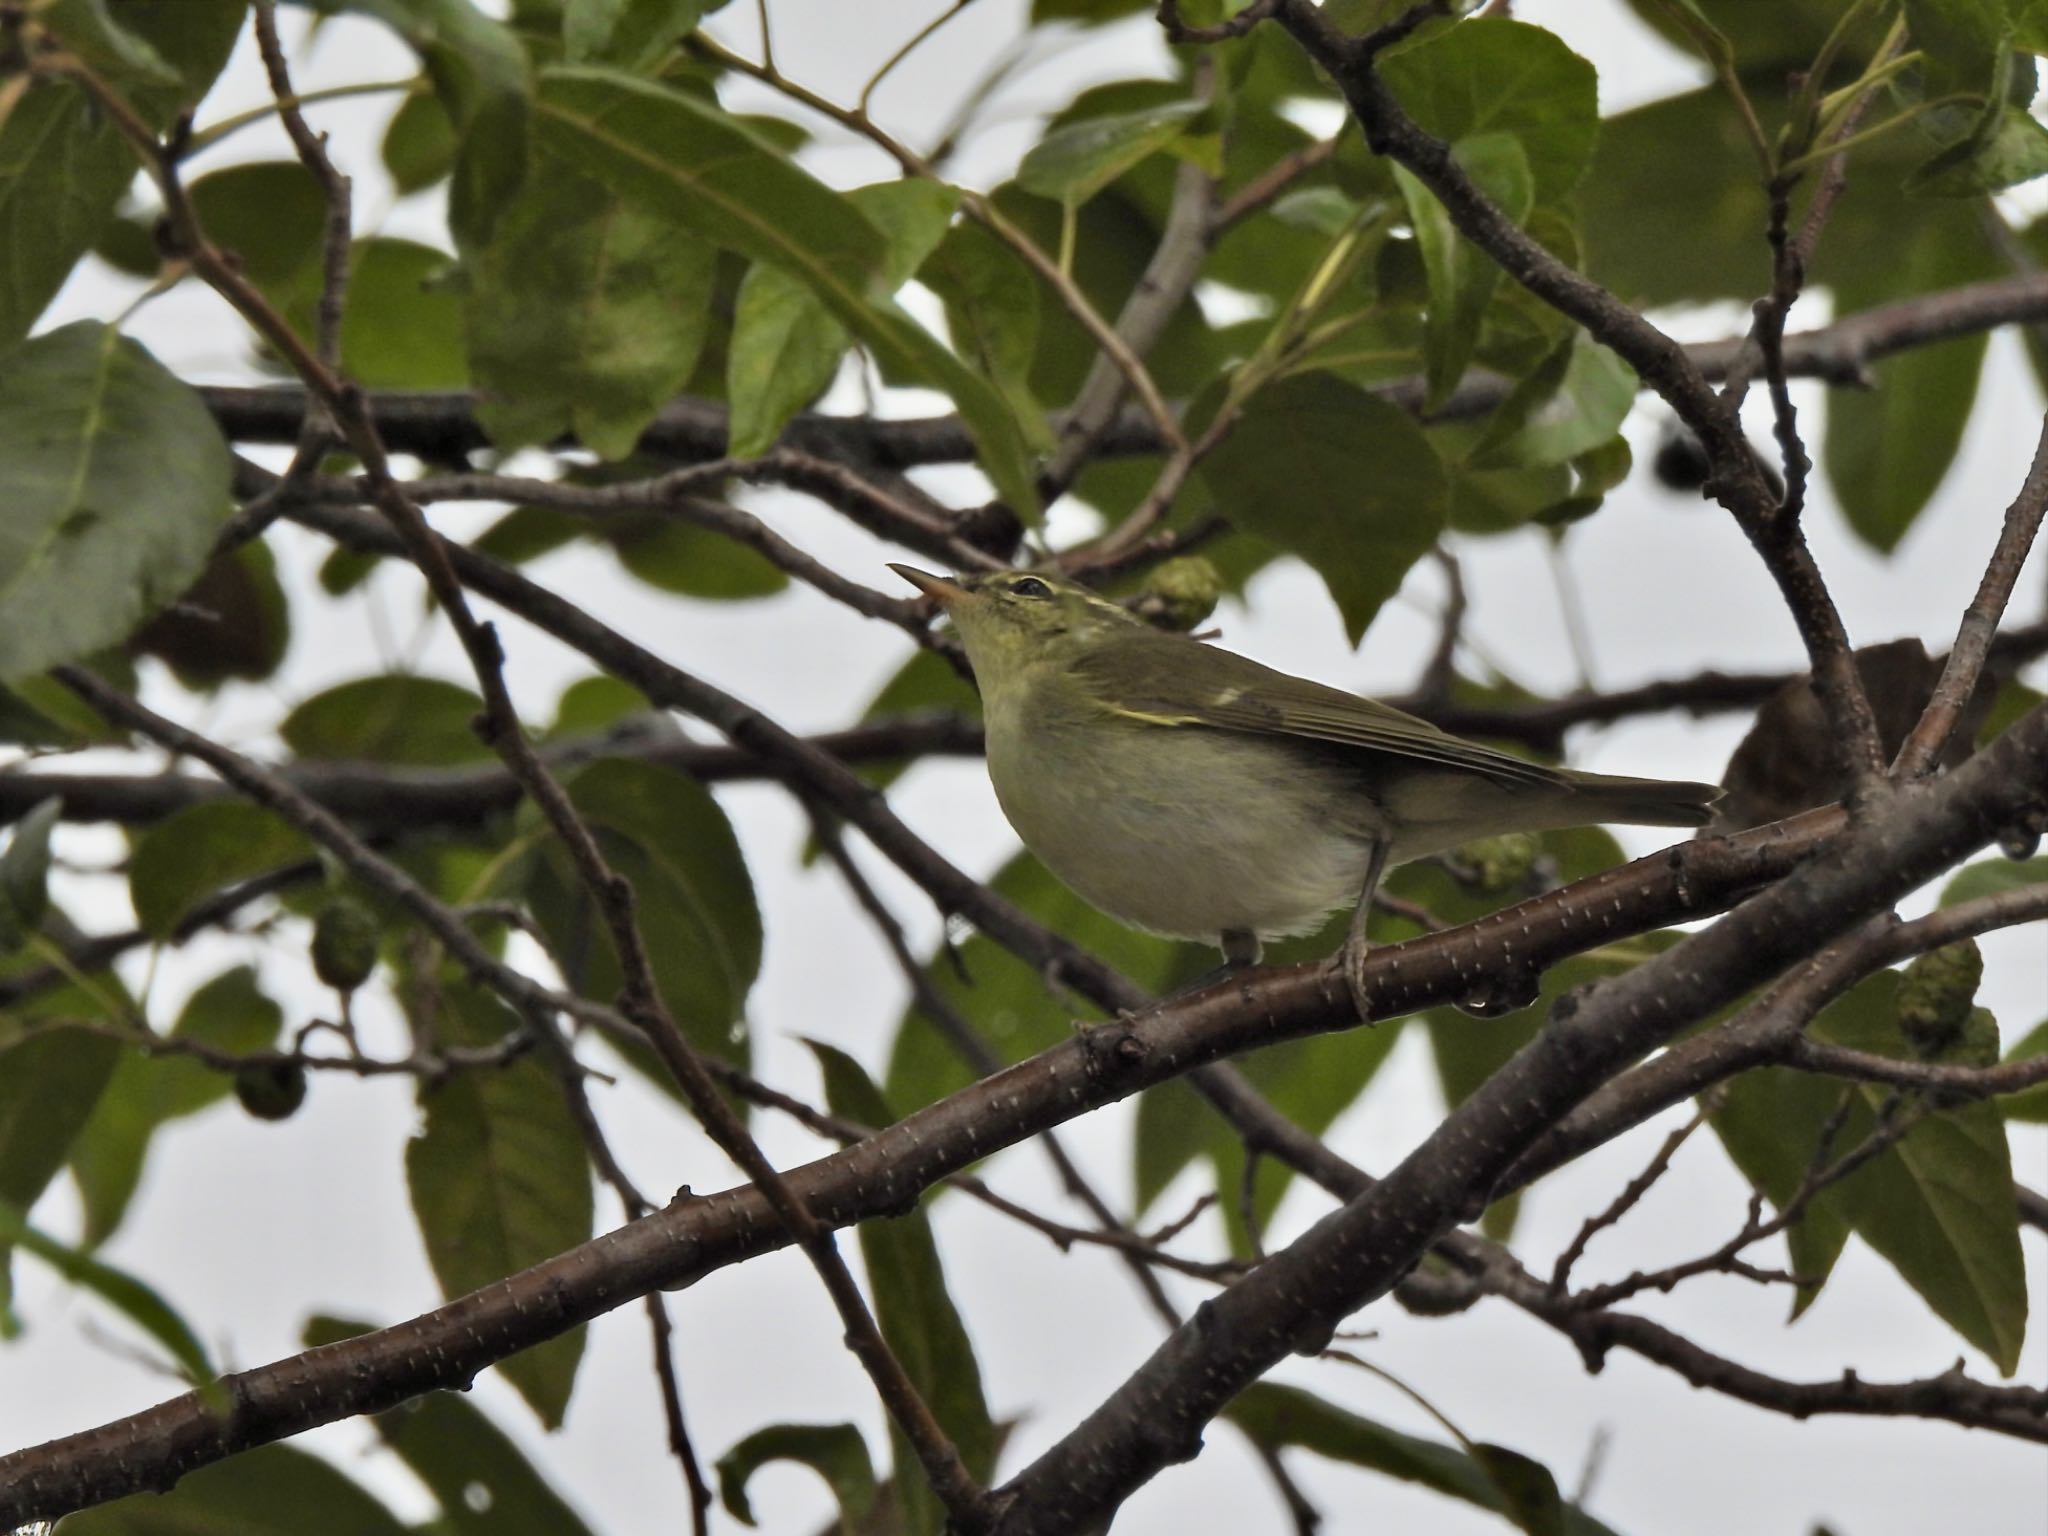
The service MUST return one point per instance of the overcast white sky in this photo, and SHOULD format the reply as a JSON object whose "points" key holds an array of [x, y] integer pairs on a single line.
{"points": [[250, 1228]]}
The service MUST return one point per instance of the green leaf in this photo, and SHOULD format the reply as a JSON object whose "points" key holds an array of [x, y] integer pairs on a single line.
{"points": [[481, 1479], [585, 314], [1462, 278], [25, 875], [786, 346], [481, 74], [1487, 1476], [592, 704], [230, 1013], [1073, 163], [1006, 1000], [2030, 1106], [115, 480], [115, 53], [693, 561], [1364, 492], [272, 1490], [1493, 76], [1572, 405], [195, 852], [500, 1180], [272, 215], [836, 1452], [784, 352], [1887, 449], [134, 1300], [402, 328], [1988, 877], [915, 1314], [671, 153], [234, 622], [1664, 227], [991, 309], [1310, 1081], [2015, 149], [633, 34], [696, 905], [394, 717], [49, 1082], [1937, 1205], [63, 167], [419, 145]]}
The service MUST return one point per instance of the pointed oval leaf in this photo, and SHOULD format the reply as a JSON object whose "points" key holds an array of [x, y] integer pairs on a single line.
{"points": [[1340, 478], [1494, 75], [193, 853], [270, 1491], [395, 718], [916, 1314], [500, 1180], [705, 169], [1075, 162], [114, 479], [585, 314]]}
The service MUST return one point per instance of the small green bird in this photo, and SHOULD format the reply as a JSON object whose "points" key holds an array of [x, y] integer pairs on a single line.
{"points": [[1194, 793]]}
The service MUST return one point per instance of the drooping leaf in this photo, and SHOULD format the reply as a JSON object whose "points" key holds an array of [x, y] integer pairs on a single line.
{"points": [[272, 1490], [2031, 1105], [25, 875], [1888, 448], [391, 718], [419, 145], [230, 1013], [693, 561], [1494, 75], [481, 74], [1340, 478], [49, 1082], [402, 328], [1938, 1204], [633, 34], [1462, 278], [115, 480], [916, 1315], [63, 165], [234, 622], [1573, 405], [1987, 877], [991, 309], [836, 1452], [1075, 161], [481, 1479], [1007, 1001], [679, 156], [585, 314], [785, 350], [134, 1300], [1487, 1476], [786, 345], [499, 1181], [195, 852], [695, 901]]}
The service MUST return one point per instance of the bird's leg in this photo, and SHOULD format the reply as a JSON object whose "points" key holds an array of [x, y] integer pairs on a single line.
{"points": [[1241, 950], [1355, 944]]}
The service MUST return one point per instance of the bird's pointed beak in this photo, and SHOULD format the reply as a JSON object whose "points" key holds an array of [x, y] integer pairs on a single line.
{"points": [[943, 589]]}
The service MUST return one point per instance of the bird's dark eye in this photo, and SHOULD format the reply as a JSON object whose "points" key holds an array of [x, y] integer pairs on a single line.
{"points": [[1030, 586]]}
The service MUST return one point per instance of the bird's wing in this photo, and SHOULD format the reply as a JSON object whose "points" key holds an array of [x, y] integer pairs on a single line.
{"points": [[1151, 676]]}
